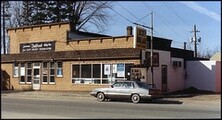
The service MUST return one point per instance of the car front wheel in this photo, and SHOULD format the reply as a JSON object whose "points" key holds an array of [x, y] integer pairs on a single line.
{"points": [[100, 97], [135, 98]]}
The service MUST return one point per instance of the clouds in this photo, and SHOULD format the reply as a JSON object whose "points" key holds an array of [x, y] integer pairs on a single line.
{"points": [[203, 10]]}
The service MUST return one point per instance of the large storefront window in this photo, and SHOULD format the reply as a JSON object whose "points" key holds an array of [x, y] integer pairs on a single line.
{"points": [[100, 73], [97, 73], [86, 71]]}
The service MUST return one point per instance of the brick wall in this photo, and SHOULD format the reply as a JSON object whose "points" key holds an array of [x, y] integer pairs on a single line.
{"points": [[58, 33], [37, 34]]}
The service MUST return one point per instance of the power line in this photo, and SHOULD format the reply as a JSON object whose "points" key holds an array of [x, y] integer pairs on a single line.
{"points": [[130, 20], [121, 15], [165, 22], [171, 8], [127, 11], [143, 17]]}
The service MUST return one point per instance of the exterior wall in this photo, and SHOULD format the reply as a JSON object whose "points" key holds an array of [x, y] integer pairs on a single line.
{"points": [[61, 83], [12, 83], [218, 77], [203, 75], [105, 43], [58, 33], [176, 75], [37, 34]]}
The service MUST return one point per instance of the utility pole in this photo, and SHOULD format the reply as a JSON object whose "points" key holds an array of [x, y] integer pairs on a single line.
{"points": [[3, 27], [151, 46], [194, 39], [151, 42]]}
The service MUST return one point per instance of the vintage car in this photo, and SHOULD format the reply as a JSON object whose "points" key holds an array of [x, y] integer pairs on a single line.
{"points": [[128, 90]]}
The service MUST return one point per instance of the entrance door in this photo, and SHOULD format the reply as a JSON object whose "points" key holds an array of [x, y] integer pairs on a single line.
{"points": [[36, 77], [164, 77]]}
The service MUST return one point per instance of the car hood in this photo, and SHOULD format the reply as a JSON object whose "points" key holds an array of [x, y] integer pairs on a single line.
{"points": [[100, 89]]}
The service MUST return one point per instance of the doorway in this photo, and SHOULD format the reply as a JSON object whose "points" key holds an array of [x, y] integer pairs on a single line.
{"points": [[36, 76], [164, 77]]}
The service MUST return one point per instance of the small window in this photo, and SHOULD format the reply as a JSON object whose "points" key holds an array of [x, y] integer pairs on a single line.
{"points": [[16, 70], [22, 73], [59, 69], [45, 73], [52, 73]]}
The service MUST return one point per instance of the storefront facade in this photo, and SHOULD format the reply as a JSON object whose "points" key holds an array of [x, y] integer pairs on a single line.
{"points": [[51, 57]]}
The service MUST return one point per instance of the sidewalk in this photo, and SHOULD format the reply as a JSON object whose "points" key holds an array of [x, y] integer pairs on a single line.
{"points": [[66, 95]]}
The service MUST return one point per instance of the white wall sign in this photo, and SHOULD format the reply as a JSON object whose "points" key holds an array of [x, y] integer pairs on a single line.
{"points": [[114, 68], [106, 69], [120, 70]]}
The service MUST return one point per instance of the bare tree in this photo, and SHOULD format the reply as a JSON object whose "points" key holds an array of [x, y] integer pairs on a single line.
{"points": [[5, 16], [16, 12], [91, 13], [208, 53]]}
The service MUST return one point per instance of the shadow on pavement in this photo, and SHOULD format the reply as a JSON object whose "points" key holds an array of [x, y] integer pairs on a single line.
{"points": [[163, 101], [158, 101]]}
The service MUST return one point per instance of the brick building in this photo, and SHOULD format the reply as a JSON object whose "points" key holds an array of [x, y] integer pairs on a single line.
{"points": [[51, 57]]}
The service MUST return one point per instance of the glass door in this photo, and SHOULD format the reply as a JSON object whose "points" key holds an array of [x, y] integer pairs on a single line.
{"points": [[36, 77]]}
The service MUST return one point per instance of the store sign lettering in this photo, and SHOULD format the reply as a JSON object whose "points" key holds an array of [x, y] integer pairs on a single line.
{"points": [[40, 46]]}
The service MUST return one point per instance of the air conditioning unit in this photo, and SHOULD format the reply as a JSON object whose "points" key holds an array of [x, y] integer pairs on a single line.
{"points": [[177, 64]]}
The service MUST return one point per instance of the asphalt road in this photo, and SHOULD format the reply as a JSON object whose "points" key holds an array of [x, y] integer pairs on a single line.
{"points": [[32, 108]]}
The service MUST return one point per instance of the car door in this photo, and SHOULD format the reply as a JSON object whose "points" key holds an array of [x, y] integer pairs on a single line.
{"points": [[126, 90], [114, 91]]}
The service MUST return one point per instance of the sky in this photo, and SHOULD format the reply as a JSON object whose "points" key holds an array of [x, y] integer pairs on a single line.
{"points": [[173, 20]]}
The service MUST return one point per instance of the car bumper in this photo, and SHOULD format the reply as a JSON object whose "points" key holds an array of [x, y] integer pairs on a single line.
{"points": [[93, 93], [152, 97]]}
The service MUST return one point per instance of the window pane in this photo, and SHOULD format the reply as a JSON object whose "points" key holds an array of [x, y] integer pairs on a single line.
{"points": [[22, 71], [29, 72], [36, 64], [59, 71], [52, 71], [36, 72], [52, 65], [96, 70], [16, 64], [22, 79], [29, 79], [59, 64], [44, 64], [22, 64], [52, 79], [29, 65], [16, 71], [86, 71], [45, 78], [75, 71]]}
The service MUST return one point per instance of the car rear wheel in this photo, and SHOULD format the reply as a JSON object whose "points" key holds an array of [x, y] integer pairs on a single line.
{"points": [[135, 98], [100, 97]]}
